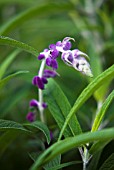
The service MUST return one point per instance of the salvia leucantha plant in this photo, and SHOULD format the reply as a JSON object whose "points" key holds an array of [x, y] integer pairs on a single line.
{"points": [[71, 135]]}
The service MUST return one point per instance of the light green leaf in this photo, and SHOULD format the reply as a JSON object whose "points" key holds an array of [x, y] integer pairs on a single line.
{"points": [[100, 115], [87, 92], [6, 79], [7, 62], [40, 126], [47, 8], [11, 42], [60, 107], [72, 142], [109, 163]]}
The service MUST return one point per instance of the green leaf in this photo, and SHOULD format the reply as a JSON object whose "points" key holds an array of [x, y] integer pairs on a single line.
{"points": [[94, 161], [6, 79], [100, 115], [38, 10], [6, 139], [53, 163], [7, 62], [40, 126], [65, 165], [87, 92], [97, 146], [109, 163], [72, 142], [60, 107], [6, 125], [11, 42]]}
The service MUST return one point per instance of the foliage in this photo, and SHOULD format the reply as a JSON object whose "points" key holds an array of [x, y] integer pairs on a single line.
{"points": [[79, 108]]}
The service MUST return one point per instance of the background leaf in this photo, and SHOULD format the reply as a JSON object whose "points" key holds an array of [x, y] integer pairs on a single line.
{"points": [[11, 42]]}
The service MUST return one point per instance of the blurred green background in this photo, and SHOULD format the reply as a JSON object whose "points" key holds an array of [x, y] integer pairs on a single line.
{"points": [[40, 23]]}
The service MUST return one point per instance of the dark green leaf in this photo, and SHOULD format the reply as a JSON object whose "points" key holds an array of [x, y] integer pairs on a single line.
{"points": [[109, 163], [6, 79], [60, 107], [40, 126]]}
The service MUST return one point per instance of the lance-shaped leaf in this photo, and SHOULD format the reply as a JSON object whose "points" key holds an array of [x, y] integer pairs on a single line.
{"points": [[59, 107], [11, 42], [87, 92], [100, 115]]}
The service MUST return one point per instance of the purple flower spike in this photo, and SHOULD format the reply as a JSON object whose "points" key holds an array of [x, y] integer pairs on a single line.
{"points": [[41, 56], [33, 103], [49, 73], [44, 105], [40, 83], [31, 117]]}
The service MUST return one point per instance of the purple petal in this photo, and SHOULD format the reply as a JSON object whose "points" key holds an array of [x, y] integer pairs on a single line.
{"points": [[46, 50], [44, 105], [67, 45], [33, 103], [54, 53], [31, 117], [40, 83], [54, 64], [49, 73], [34, 80], [48, 61], [51, 135], [59, 43], [44, 80], [41, 56], [52, 46], [70, 57]]}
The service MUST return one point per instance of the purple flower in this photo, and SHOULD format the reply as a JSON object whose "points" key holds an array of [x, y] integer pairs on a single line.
{"points": [[31, 117], [37, 81], [33, 103], [44, 105], [49, 73], [64, 45]]}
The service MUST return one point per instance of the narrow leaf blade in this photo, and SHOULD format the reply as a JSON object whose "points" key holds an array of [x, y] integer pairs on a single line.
{"points": [[18, 44], [87, 92]]}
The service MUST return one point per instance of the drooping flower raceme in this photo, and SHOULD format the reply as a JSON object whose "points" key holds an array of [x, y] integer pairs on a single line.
{"points": [[73, 58]]}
